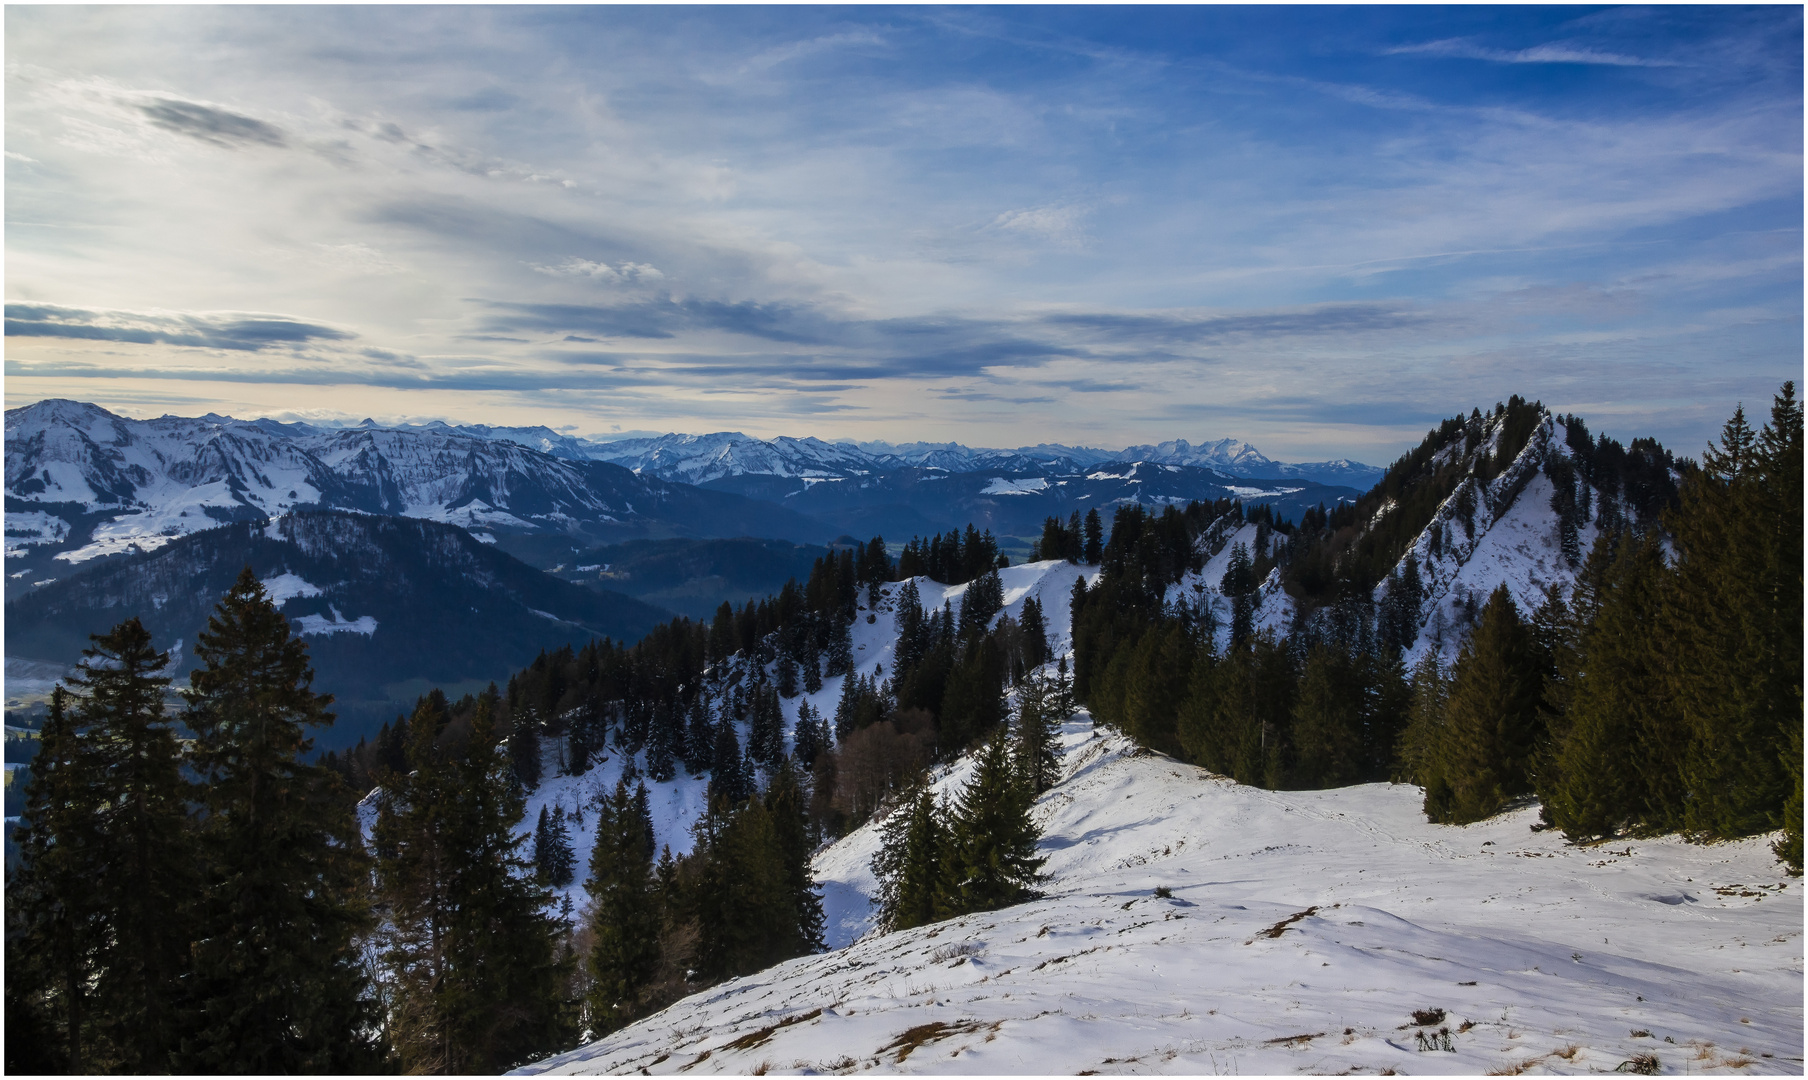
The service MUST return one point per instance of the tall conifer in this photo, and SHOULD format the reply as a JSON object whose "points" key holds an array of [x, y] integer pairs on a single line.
{"points": [[278, 983]]}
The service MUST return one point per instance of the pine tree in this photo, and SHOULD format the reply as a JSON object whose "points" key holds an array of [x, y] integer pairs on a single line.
{"points": [[841, 647], [993, 848], [787, 676], [1095, 538], [277, 984], [699, 735], [144, 857], [624, 912], [1419, 758], [813, 668]]}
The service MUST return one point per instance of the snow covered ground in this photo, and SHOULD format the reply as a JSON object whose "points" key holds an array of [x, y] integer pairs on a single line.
{"points": [[1301, 932]]}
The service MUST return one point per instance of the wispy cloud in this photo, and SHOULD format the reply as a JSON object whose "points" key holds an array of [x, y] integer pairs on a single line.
{"points": [[1550, 53], [209, 330], [211, 124]]}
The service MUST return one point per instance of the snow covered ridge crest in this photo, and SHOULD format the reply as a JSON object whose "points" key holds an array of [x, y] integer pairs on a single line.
{"points": [[1192, 925]]}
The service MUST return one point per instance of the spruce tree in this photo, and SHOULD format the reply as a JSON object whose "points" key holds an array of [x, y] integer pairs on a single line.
{"points": [[1619, 762], [1327, 721], [806, 737], [1036, 735], [1492, 721], [553, 856], [802, 931], [278, 983], [729, 782], [1239, 585], [913, 862], [993, 847], [524, 748], [1095, 538], [475, 965], [145, 856], [766, 736], [624, 913], [56, 933]]}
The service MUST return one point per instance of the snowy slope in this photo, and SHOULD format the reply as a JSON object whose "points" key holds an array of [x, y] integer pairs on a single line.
{"points": [[676, 805], [1302, 931]]}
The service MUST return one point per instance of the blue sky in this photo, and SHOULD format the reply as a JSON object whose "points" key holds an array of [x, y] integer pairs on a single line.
{"points": [[1320, 230]]}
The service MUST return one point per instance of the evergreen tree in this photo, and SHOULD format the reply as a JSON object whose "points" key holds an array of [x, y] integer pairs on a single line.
{"points": [[729, 780], [1239, 584], [56, 928], [1735, 623], [475, 968], [1095, 538], [766, 737], [841, 647], [801, 931], [993, 847], [524, 748], [624, 912], [1618, 763], [1327, 721], [277, 984], [787, 676], [807, 736], [913, 862], [1036, 745], [699, 735], [973, 704], [1492, 722], [144, 855], [755, 903], [1035, 634], [813, 669], [553, 855]]}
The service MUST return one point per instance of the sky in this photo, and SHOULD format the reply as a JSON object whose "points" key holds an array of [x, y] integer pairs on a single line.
{"points": [[1319, 230]]}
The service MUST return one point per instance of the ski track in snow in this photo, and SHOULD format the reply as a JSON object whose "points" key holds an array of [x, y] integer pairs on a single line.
{"points": [[1303, 930]]}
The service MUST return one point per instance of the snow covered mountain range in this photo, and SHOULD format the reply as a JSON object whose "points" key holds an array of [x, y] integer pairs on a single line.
{"points": [[83, 483], [698, 459]]}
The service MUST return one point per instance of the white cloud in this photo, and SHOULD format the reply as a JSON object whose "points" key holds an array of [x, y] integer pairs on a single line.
{"points": [[1551, 53], [1061, 225], [584, 268]]}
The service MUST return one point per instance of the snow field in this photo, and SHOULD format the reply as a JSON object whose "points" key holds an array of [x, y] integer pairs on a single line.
{"points": [[1300, 933]]}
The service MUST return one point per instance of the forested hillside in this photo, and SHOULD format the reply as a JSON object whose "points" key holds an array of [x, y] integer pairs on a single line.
{"points": [[1657, 689]]}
